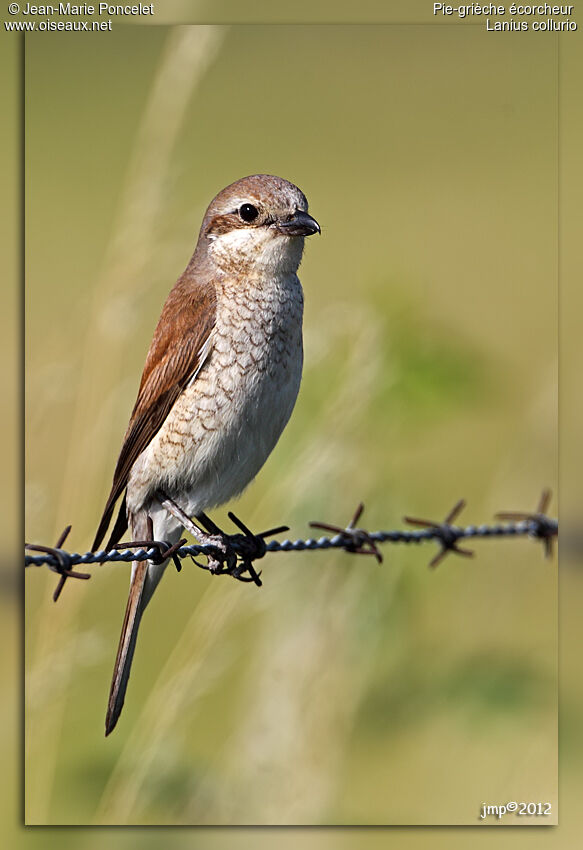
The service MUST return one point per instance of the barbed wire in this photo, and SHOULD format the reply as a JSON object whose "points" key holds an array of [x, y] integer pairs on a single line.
{"points": [[248, 547]]}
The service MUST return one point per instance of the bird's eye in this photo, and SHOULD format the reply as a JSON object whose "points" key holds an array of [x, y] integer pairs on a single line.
{"points": [[248, 212]]}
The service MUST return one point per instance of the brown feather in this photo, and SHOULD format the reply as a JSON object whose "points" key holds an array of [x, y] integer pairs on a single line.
{"points": [[175, 353], [120, 525]]}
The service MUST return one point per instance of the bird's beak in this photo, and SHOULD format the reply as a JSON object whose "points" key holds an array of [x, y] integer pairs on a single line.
{"points": [[299, 224]]}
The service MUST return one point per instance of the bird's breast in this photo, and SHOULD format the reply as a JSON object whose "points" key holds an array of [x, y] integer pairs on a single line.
{"points": [[226, 422]]}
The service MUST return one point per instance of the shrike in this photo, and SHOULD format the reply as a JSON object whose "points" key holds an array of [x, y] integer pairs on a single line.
{"points": [[221, 378]]}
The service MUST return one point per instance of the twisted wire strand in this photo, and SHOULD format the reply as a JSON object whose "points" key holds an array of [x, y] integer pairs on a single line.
{"points": [[247, 547], [539, 527]]}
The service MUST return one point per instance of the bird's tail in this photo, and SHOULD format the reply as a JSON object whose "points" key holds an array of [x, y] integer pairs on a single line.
{"points": [[145, 578], [127, 644]]}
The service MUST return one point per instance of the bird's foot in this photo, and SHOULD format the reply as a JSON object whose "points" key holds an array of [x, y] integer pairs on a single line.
{"points": [[242, 549], [222, 558], [227, 554]]}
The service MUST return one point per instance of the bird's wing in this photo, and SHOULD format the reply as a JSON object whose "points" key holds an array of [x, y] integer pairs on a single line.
{"points": [[178, 351]]}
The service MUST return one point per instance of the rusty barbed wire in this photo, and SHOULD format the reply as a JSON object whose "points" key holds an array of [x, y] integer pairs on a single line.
{"points": [[249, 547]]}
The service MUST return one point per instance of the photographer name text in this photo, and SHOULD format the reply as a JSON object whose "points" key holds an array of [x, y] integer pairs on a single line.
{"points": [[75, 10]]}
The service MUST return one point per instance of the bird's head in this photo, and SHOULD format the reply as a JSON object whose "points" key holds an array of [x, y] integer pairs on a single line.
{"points": [[257, 224]]}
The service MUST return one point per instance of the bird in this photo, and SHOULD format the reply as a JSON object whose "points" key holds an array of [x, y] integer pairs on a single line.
{"points": [[219, 384]]}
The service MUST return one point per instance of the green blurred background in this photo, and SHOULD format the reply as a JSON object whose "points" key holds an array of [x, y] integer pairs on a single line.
{"points": [[340, 692]]}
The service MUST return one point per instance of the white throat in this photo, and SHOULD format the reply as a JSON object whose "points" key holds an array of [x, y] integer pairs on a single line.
{"points": [[260, 251]]}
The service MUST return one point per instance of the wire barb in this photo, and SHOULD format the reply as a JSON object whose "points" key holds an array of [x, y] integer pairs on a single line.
{"points": [[240, 551], [543, 529], [356, 540], [165, 550], [445, 533], [63, 560]]}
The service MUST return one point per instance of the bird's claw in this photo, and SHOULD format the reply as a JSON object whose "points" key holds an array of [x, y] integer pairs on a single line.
{"points": [[222, 558]]}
